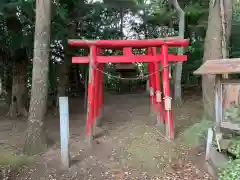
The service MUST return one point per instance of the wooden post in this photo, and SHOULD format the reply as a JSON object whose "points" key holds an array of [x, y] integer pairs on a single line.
{"points": [[101, 94], [154, 88], [1, 86], [64, 130], [167, 95], [218, 106], [96, 97], [90, 109], [158, 94], [150, 83], [86, 90], [209, 143]]}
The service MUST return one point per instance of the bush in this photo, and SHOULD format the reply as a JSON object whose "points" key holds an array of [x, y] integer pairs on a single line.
{"points": [[196, 132], [231, 172]]}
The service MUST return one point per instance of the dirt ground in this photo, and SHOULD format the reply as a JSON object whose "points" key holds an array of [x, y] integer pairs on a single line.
{"points": [[130, 147]]}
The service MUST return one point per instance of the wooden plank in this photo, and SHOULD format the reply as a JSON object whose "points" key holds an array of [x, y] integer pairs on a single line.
{"points": [[221, 66], [230, 125], [209, 143], [217, 159], [129, 59], [218, 103], [64, 131], [230, 98], [169, 41], [228, 81], [211, 170], [126, 66]]}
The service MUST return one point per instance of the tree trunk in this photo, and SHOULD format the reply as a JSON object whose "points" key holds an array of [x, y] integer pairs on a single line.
{"points": [[226, 19], [8, 84], [35, 141], [228, 8], [74, 80], [1, 81], [19, 91], [212, 51], [65, 66], [121, 22], [1, 86], [77, 77], [64, 70], [178, 68], [52, 90]]}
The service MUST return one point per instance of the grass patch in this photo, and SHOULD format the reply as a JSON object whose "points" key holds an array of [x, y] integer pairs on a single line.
{"points": [[230, 172], [9, 160], [192, 136]]}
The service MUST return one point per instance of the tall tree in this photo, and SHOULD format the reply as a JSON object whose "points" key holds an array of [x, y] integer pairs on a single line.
{"points": [[215, 47], [35, 138], [18, 60], [178, 70]]}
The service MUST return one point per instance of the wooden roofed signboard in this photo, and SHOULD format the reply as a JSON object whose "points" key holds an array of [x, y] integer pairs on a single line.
{"points": [[227, 91], [223, 66]]}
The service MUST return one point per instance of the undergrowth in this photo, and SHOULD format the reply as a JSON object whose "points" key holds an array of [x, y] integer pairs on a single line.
{"points": [[234, 147], [195, 133], [10, 163], [231, 172]]}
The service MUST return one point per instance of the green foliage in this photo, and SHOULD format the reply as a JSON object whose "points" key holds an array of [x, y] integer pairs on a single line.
{"points": [[196, 16], [193, 134], [231, 172], [60, 23], [112, 84], [234, 147], [195, 55], [17, 24], [120, 4], [233, 113]]}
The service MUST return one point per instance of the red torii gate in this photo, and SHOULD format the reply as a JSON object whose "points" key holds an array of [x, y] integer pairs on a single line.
{"points": [[96, 66]]}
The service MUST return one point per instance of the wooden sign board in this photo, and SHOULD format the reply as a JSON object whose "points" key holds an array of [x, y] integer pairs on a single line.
{"points": [[127, 66], [230, 93]]}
